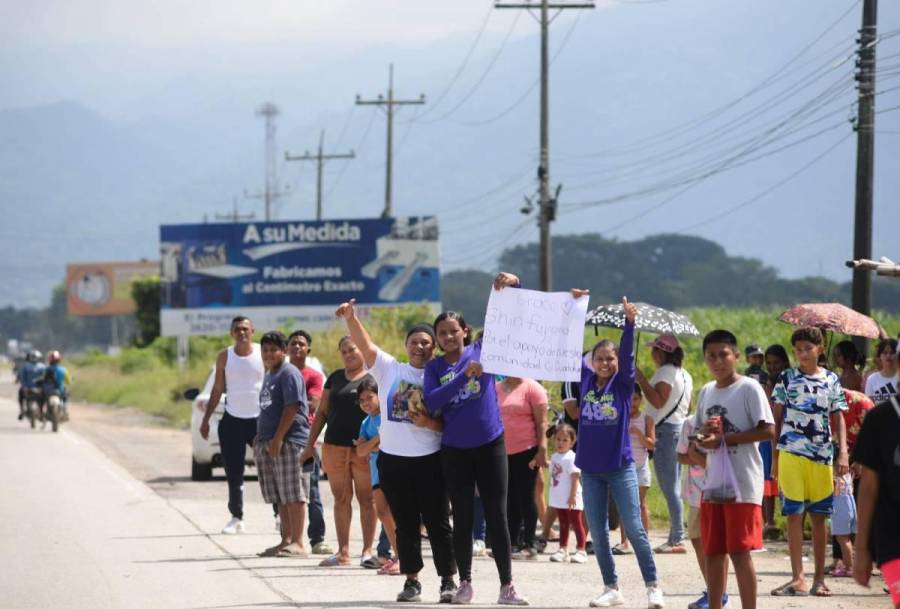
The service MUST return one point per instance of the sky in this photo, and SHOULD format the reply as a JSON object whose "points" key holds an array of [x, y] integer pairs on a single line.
{"points": [[187, 76]]}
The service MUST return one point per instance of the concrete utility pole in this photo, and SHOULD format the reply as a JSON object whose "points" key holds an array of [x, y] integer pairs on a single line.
{"points": [[547, 205], [388, 107], [865, 161], [235, 216], [320, 157], [271, 192]]}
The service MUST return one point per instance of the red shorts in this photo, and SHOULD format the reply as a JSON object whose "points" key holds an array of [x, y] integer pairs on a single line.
{"points": [[891, 573], [770, 488], [730, 528]]}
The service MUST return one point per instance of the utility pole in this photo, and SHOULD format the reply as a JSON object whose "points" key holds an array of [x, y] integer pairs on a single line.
{"points": [[320, 157], [865, 159], [388, 107], [547, 204], [235, 216], [271, 191]]}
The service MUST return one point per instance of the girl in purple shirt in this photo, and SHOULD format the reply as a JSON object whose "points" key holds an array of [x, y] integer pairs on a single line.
{"points": [[604, 457], [473, 451]]}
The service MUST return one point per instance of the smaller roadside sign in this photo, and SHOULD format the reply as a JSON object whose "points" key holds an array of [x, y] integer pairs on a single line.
{"points": [[104, 288]]}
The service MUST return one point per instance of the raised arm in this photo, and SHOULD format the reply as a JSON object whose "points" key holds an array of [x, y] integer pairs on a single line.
{"points": [[626, 344], [358, 333]]}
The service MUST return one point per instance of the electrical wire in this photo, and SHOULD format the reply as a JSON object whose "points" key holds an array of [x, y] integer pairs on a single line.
{"points": [[343, 168]]}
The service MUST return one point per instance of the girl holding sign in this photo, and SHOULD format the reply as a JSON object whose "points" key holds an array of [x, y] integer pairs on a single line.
{"points": [[605, 459], [473, 450]]}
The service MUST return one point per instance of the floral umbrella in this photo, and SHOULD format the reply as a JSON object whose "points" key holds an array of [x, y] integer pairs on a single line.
{"points": [[834, 317]]}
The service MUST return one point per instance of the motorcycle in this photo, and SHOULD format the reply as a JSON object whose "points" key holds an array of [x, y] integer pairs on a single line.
{"points": [[55, 408], [34, 398]]}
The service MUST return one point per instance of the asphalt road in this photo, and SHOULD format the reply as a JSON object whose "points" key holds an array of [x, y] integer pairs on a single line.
{"points": [[103, 514]]}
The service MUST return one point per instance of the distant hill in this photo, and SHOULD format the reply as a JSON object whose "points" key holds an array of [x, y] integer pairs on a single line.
{"points": [[671, 271]]}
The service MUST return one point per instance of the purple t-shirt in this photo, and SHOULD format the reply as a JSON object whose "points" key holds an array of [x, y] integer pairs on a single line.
{"points": [[603, 442], [468, 406]]}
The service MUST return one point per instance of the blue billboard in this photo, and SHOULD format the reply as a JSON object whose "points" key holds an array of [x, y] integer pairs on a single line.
{"points": [[280, 273]]}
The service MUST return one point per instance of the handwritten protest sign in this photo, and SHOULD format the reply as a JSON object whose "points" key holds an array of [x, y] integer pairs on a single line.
{"points": [[533, 334]]}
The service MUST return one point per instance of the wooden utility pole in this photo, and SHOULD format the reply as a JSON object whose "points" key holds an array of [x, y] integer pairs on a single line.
{"points": [[320, 157], [388, 106], [547, 204], [235, 216], [865, 159]]}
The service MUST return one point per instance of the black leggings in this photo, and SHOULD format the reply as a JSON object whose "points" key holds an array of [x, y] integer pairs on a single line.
{"points": [[485, 465], [520, 506], [414, 489]]}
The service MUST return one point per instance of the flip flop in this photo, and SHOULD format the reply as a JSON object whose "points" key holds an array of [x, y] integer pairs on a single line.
{"points": [[287, 553], [789, 590], [621, 550], [333, 561], [820, 589], [273, 551], [668, 548]]}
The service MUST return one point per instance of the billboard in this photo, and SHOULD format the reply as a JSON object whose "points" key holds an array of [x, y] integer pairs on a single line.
{"points": [[281, 273], [104, 288]]}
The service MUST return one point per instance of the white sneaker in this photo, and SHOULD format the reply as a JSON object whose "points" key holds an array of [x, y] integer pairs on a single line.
{"points": [[655, 598], [560, 556], [478, 548], [579, 557], [610, 598], [234, 526]]}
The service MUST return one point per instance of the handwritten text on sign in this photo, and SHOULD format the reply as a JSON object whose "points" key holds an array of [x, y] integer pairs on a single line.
{"points": [[536, 335]]}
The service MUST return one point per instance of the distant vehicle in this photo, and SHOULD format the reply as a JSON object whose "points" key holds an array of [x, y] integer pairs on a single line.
{"points": [[206, 454]]}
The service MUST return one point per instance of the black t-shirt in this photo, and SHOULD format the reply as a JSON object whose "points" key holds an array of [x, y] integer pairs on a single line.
{"points": [[344, 413], [878, 448], [570, 390]]}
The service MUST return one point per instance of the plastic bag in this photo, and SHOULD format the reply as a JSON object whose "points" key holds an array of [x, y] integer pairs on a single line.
{"points": [[721, 481]]}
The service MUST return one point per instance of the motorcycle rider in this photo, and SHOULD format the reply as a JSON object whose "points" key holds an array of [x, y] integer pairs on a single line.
{"points": [[56, 380], [31, 377]]}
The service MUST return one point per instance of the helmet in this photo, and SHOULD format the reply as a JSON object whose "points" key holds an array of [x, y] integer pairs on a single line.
{"points": [[54, 357], [36, 356]]}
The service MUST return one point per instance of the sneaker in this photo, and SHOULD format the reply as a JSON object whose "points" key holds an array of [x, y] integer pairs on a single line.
{"points": [[509, 596], [464, 593], [524, 553], [611, 597], [448, 590], [322, 548], [540, 544], [411, 593], [560, 556], [655, 598], [478, 548], [579, 557], [234, 526], [700, 603]]}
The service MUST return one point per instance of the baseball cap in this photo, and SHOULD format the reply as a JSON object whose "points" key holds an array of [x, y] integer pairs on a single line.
{"points": [[664, 342], [753, 350]]}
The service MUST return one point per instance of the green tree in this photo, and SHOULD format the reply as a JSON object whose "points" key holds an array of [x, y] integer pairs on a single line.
{"points": [[146, 294]]}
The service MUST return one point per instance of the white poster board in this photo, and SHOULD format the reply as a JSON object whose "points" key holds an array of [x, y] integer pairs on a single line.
{"points": [[537, 335]]}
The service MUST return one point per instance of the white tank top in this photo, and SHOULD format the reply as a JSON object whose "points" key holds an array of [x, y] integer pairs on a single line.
{"points": [[243, 380]]}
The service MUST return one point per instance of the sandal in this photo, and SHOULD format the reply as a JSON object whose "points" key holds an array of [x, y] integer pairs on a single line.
{"points": [[369, 562], [290, 553], [820, 589], [334, 561], [789, 590], [841, 571], [670, 548], [621, 550]]}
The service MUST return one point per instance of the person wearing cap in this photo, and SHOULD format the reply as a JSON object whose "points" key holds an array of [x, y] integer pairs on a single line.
{"points": [[668, 398], [756, 357]]}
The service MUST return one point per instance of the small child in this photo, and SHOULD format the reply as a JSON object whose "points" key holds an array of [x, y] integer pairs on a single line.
{"points": [[643, 438], [843, 522], [733, 416], [755, 360], [565, 495], [367, 444]]}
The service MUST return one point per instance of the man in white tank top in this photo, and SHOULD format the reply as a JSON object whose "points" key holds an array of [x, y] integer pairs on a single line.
{"points": [[239, 372]]}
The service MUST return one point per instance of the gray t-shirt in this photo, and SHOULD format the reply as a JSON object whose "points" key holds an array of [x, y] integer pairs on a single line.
{"points": [[280, 388], [742, 406]]}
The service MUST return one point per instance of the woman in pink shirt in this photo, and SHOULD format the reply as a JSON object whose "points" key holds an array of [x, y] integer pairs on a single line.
{"points": [[523, 409]]}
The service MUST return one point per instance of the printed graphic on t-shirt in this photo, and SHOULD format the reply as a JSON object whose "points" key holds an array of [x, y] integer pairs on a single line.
{"points": [[405, 397], [808, 403], [470, 390], [598, 410], [718, 410], [265, 396], [556, 471]]}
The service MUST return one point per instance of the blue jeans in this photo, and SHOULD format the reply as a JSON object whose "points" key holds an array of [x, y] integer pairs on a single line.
{"points": [[316, 529], [624, 487], [668, 476]]}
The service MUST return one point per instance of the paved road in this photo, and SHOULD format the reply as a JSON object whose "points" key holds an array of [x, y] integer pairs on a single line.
{"points": [[104, 514]]}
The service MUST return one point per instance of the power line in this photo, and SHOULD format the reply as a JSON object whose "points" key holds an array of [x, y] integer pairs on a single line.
{"points": [[359, 146]]}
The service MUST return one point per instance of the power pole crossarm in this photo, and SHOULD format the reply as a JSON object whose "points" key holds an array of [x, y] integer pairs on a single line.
{"points": [[547, 208], [320, 157], [389, 104]]}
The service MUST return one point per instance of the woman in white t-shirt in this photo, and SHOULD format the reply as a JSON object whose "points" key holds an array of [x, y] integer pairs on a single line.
{"points": [[409, 464], [668, 398], [882, 385]]}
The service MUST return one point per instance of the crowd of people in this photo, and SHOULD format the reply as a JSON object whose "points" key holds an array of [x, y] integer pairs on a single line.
{"points": [[436, 445]]}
